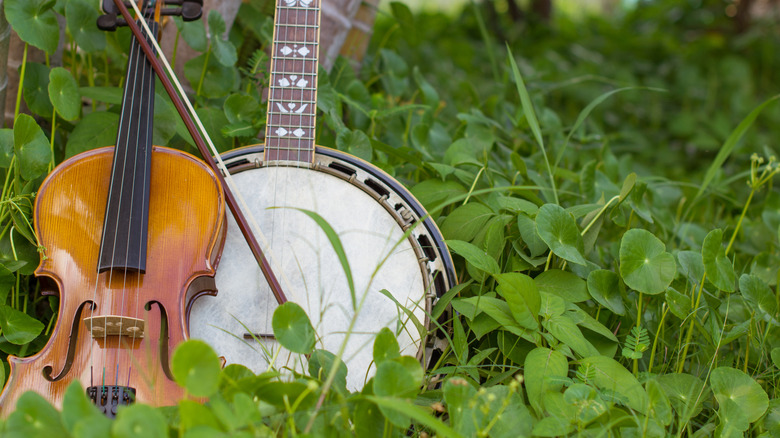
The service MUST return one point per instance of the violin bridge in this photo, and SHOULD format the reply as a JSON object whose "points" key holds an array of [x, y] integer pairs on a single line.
{"points": [[112, 325]]}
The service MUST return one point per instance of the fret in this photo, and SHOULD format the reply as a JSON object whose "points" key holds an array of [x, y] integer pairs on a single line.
{"points": [[297, 8], [281, 26], [287, 42], [292, 87], [286, 148], [292, 113], [290, 137], [306, 58], [297, 36], [295, 58], [290, 95], [296, 4], [300, 156], [292, 106]]}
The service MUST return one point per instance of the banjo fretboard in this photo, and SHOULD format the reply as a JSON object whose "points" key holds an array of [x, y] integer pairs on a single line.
{"points": [[292, 97]]}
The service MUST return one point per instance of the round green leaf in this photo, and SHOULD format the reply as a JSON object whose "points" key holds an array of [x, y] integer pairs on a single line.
{"points": [[559, 231], [35, 417], [718, 267], [385, 346], [81, 18], [196, 367], [686, 393], [76, 406], [691, 265], [644, 264], [759, 296], [659, 406], [64, 93], [241, 108], [223, 50], [604, 287], [139, 421], [393, 380], [18, 328], [102, 94], [6, 150], [35, 22], [31, 147], [219, 80], [321, 364], [293, 329], [355, 142], [36, 89], [194, 33], [732, 384], [95, 130]]}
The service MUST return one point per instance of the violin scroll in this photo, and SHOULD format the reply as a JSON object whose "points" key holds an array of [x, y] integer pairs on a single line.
{"points": [[188, 10]]}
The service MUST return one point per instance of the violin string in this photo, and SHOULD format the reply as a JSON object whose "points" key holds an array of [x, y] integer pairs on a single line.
{"points": [[132, 62], [136, 112], [220, 162], [143, 139]]}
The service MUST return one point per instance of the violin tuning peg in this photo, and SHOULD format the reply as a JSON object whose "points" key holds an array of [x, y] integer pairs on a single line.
{"points": [[107, 22], [191, 10], [109, 7]]}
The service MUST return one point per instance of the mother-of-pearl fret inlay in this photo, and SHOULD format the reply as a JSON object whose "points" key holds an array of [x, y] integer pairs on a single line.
{"points": [[303, 3], [292, 97], [300, 83]]}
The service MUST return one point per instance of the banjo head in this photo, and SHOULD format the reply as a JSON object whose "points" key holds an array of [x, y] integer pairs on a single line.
{"points": [[395, 257]]}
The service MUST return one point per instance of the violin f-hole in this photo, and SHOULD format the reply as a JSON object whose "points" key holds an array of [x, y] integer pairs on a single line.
{"points": [[73, 339], [164, 360]]}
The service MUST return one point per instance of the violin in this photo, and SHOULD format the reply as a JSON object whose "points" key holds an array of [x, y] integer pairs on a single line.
{"points": [[131, 234]]}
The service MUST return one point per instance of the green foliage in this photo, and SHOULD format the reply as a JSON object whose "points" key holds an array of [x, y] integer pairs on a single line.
{"points": [[581, 206]]}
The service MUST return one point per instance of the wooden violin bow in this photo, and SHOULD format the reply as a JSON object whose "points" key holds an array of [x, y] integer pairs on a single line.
{"points": [[230, 199]]}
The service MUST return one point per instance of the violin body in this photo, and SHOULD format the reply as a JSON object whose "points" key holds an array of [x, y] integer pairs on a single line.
{"points": [[118, 328]]}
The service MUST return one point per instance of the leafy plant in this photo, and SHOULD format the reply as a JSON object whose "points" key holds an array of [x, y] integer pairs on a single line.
{"points": [[582, 206]]}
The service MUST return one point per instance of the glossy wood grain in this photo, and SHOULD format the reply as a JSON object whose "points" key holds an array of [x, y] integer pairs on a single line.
{"points": [[186, 232]]}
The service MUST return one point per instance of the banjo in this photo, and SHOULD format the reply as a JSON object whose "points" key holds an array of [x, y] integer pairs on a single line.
{"points": [[396, 256]]}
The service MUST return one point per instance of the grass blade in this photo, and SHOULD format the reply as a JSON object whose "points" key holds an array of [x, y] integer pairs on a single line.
{"points": [[588, 109], [530, 115], [333, 237], [729, 145]]}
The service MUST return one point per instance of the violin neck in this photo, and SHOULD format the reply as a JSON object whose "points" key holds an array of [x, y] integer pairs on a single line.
{"points": [[292, 96], [125, 227]]}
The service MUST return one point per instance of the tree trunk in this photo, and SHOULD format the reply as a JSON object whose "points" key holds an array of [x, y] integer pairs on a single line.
{"points": [[227, 8], [346, 30]]}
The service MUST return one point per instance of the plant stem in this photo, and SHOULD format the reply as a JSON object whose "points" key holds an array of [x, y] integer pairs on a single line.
{"points": [[91, 77], [203, 72], [51, 140], [739, 222], [21, 83], [681, 363], [638, 325], [175, 46], [474, 184], [655, 340]]}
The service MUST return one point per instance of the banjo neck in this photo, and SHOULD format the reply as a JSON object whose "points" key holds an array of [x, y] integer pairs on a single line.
{"points": [[292, 95]]}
